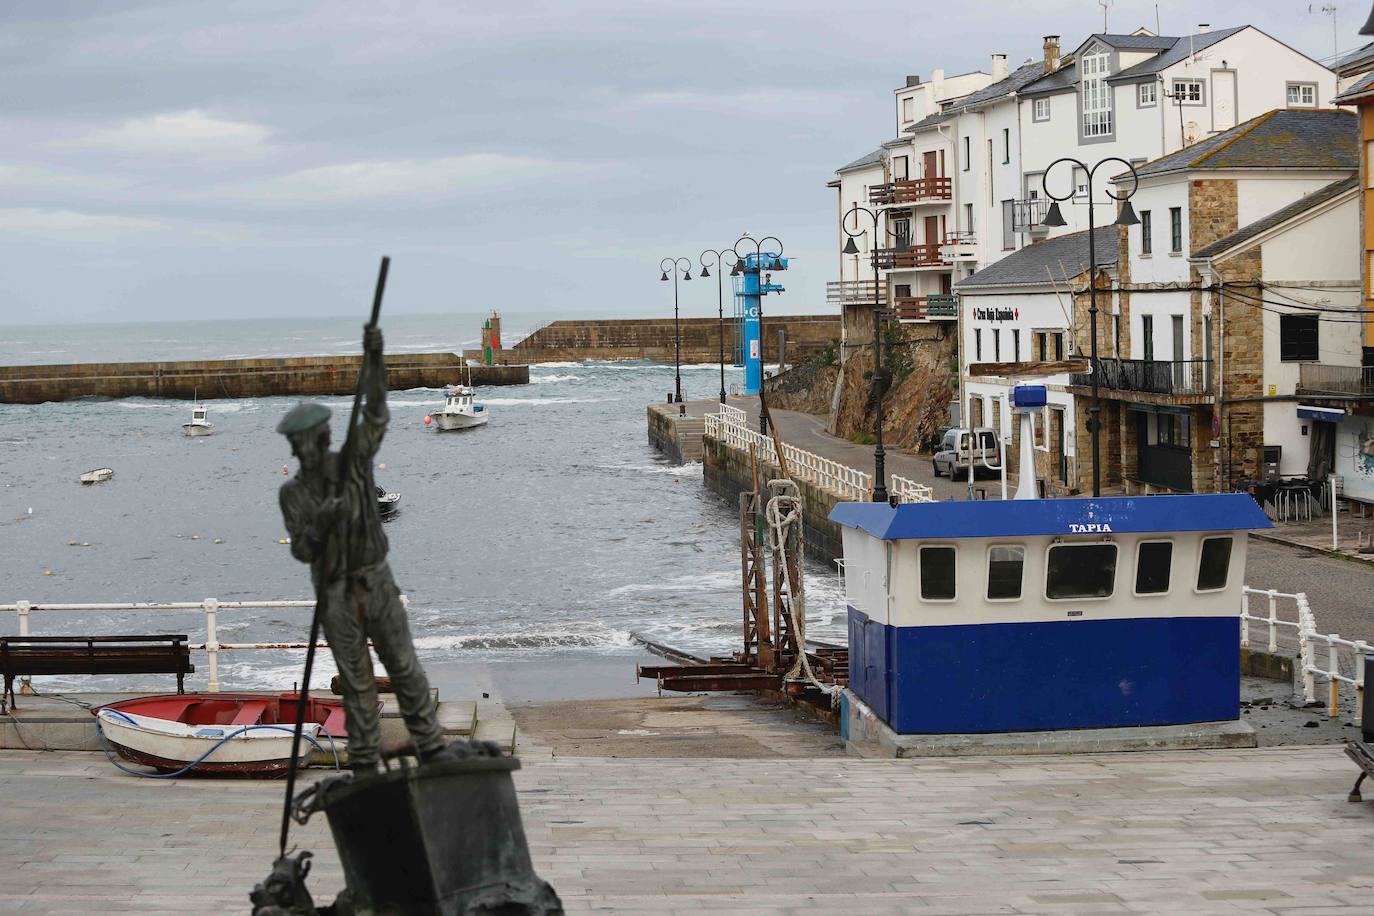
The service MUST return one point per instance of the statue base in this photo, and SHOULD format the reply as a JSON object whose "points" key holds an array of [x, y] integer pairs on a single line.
{"points": [[443, 838]]}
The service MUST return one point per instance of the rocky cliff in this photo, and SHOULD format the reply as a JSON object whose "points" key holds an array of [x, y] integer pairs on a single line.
{"points": [[920, 360]]}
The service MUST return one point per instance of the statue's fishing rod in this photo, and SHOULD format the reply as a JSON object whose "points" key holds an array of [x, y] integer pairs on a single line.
{"points": [[345, 454]]}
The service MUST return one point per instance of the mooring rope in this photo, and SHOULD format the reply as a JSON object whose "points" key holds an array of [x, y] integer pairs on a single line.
{"points": [[784, 515]]}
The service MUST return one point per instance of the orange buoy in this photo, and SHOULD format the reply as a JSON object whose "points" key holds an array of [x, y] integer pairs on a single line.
{"points": [[285, 469], [428, 419]]}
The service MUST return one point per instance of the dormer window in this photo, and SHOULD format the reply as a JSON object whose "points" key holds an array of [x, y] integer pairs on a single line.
{"points": [[1093, 68]]}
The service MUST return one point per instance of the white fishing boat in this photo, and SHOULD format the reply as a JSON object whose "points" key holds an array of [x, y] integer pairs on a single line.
{"points": [[96, 476], [461, 410], [199, 425]]}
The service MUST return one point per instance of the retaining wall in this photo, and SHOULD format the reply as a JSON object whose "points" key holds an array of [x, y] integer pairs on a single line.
{"points": [[239, 378]]}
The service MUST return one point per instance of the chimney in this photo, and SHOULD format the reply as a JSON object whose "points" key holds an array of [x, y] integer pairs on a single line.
{"points": [[912, 81], [937, 79], [1051, 53], [999, 67], [1203, 27]]}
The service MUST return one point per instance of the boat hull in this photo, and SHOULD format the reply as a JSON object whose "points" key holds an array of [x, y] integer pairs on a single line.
{"points": [[448, 422], [242, 734], [198, 429]]}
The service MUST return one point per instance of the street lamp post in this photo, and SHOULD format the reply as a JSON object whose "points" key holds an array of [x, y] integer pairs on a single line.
{"points": [[674, 264], [717, 262], [879, 377], [742, 267], [1126, 217]]}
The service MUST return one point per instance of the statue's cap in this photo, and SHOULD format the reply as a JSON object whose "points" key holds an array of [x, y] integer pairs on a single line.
{"points": [[305, 415]]}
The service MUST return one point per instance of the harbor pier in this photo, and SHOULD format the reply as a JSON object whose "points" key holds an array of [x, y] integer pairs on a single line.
{"points": [[239, 378]]}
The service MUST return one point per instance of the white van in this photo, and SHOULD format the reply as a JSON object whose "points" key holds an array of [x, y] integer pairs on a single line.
{"points": [[952, 457]]}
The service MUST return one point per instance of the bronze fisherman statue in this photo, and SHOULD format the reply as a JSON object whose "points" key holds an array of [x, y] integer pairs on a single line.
{"points": [[442, 837], [330, 509]]}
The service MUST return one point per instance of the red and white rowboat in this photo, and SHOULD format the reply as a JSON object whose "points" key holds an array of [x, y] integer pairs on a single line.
{"points": [[169, 731]]}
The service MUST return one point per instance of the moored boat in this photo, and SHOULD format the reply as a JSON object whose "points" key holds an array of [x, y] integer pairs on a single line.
{"points": [[200, 425], [387, 503], [460, 411], [96, 476], [241, 734]]}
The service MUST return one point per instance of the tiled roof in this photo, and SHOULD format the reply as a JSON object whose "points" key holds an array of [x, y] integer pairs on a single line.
{"points": [[1283, 138], [1362, 87], [1001, 89], [1045, 263], [928, 121], [1182, 49], [1136, 42], [872, 158], [1301, 205], [1066, 77], [1357, 61]]}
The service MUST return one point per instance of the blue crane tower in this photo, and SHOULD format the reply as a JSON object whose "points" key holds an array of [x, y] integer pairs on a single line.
{"points": [[750, 285]]}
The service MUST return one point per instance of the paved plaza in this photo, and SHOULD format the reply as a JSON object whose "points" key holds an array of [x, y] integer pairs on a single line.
{"points": [[1258, 831]]}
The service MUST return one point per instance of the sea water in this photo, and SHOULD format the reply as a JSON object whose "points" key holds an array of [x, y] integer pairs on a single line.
{"points": [[554, 532]]}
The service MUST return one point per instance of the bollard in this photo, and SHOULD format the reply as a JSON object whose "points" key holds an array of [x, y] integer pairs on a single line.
{"points": [[211, 606], [25, 687], [1245, 620], [1334, 706]]}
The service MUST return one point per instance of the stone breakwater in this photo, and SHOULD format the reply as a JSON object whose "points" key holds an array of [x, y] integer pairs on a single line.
{"points": [[239, 378], [654, 338]]}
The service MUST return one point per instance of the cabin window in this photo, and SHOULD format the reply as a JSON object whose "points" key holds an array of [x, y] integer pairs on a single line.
{"points": [[1213, 564], [1153, 560], [937, 573], [1081, 571], [1005, 565]]}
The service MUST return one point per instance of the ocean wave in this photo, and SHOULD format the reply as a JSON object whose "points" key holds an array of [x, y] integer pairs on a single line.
{"points": [[560, 365], [597, 639], [690, 469], [509, 402], [711, 582], [547, 379]]}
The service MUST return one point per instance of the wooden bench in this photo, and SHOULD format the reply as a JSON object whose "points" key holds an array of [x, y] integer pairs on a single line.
{"points": [[38, 655]]}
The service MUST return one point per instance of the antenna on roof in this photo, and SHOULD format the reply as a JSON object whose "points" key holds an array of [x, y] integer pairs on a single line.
{"points": [[1105, 4], [1330, 10]]}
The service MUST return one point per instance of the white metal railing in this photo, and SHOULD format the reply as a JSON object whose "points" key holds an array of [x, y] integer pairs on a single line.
{"points": [[210, 606], [1309, 640], [731, 427], [848, 482], [909, 491]]}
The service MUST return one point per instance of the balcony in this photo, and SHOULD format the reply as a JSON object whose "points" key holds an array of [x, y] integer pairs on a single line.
{"points": [[849, 292], [1148, 376], [909, 257], [1029, 214], [1337, 381], [940, 307], [959, 246], [912, 191]]}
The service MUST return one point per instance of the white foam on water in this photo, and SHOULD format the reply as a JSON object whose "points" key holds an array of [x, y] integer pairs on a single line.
{"points": [[712, 582], [591, 636], [509, 402], [546, 379], [690, 469], [561, 365]]}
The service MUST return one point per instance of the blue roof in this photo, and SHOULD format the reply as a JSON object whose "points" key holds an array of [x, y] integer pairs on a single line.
{"points": [[1038, 517]]}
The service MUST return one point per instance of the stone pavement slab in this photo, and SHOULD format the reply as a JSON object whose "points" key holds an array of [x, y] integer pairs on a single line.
{"points": [[1252, 831]]}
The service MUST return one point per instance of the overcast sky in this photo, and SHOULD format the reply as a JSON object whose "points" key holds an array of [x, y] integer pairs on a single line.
{"points": [[214, 159]]}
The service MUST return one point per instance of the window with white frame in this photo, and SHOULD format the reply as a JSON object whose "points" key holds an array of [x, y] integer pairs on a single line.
{"points": [[1040, 110], [1097, 95], [968, 153], [1188, 91], [908, 109], [1302, 95], [1146, 95]]}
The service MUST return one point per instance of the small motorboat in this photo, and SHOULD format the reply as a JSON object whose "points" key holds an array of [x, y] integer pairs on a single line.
{"points": [[460, 410], [199, 425], [387, 503], [96, 476], [238, 734]]}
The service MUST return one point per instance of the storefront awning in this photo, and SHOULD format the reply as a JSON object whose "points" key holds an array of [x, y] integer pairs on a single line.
{"points": [[1320, 414]]}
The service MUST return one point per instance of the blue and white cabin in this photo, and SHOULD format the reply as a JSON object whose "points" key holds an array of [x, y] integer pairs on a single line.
{"points": [[1028, 615]]}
